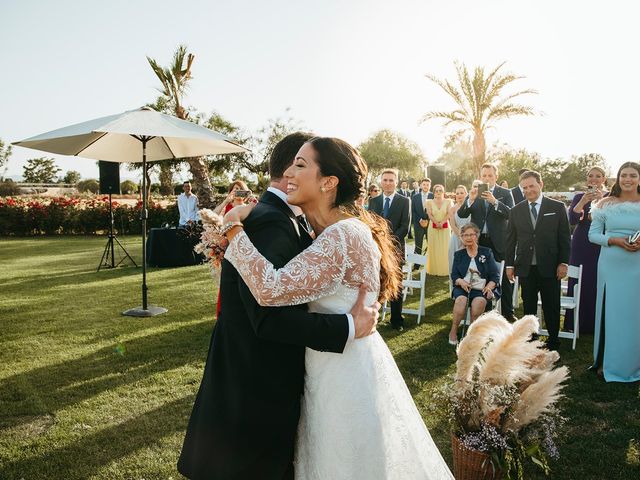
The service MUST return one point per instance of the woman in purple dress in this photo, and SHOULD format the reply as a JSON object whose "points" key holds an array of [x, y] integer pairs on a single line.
{"points": [[583, 252]]}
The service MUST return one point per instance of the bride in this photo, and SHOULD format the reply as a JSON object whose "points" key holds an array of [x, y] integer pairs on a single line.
{"points": [[358, 419]]}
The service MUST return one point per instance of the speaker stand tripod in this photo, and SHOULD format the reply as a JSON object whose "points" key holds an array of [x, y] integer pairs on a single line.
{"points": [[108, 259]]}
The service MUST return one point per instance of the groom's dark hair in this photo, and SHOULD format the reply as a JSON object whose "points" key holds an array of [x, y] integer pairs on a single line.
{"points": [[284, 152]]}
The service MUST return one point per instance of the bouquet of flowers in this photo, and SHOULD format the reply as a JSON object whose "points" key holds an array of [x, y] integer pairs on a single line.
{"points": [[212, 243], [502, 401]]}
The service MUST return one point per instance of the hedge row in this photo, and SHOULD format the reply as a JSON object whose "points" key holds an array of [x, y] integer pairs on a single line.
{"points": [[73, 216]]}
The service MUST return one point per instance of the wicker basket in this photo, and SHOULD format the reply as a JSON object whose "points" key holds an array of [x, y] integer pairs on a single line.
{"points": [[471, 464]]}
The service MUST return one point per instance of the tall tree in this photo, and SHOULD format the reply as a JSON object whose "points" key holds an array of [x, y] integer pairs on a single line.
{"points": [[71, 177], [457, 156], [175, 81], [480, 102], [388, 149], [40, 170]]}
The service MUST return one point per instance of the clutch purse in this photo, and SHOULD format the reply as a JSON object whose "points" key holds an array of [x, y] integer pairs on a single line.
{"points": [[633, 238]]}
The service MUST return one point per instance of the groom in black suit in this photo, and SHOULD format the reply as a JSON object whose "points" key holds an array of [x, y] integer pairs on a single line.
{"points": [[246, 412], [395, 209], [538, 243], [490, 213]]}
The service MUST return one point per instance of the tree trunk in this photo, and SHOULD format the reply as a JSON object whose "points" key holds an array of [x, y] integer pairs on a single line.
{"points": [[201, 182], [479, 150], [166, 178]]}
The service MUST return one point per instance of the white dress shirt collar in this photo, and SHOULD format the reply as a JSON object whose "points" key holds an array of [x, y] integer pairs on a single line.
{"points": [[283, 196], [390, 197], [538, 201]]}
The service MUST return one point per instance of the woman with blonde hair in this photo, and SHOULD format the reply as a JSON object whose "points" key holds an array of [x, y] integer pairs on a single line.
{"points": [[455, 243], [439, 233]]}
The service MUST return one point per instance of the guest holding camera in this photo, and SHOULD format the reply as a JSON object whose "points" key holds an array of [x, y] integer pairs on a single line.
{"points": [[239, 194], [475, 277], [615, 226], [583, 252]]}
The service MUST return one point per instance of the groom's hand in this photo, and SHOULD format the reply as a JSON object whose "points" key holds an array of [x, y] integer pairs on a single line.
{"points": [[365, 318]]}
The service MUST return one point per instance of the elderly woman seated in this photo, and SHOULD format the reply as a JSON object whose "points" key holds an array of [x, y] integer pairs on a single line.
{"points": [[475, 277]]}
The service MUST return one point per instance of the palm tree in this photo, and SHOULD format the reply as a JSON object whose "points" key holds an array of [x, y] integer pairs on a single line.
{"points": [[175, 81], [479, 103]]}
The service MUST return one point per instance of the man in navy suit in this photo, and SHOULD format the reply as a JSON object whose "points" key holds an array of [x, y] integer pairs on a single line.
{"points": [[516, 192], [395, 209], [490, 213], [419, 215]]}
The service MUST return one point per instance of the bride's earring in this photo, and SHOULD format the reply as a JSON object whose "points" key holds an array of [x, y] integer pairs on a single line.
{"points": [[322, 189]]}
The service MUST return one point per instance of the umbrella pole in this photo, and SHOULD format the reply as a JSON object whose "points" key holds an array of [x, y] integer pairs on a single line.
{"points": [[145, 310]]}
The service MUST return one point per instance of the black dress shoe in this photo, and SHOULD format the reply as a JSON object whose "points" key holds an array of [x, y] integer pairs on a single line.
{"points": [[511, 318], [552, 345]]}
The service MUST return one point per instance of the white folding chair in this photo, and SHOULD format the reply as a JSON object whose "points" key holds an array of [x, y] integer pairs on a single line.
{"points": [[567, 303], [410, 283], [516, 296]]}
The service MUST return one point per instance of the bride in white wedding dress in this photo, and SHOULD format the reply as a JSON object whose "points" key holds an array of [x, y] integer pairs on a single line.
{"points": [[358, 418]]}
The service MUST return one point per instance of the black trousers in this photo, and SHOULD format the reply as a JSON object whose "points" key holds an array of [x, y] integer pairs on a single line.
{"points": [[506, 300], [549, 288], [420, 234]]}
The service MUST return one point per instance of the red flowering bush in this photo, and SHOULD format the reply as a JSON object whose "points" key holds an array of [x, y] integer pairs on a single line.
{"points": [[85, 216]]}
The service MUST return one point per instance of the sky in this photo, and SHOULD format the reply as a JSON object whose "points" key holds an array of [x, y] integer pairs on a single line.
{"points": [[343, 68]]}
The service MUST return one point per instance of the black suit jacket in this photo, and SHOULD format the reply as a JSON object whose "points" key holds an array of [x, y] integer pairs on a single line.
{"points": [[417, 208], [245, 416], [550, 238], [398, 216], [517, 195], [496, 218]]}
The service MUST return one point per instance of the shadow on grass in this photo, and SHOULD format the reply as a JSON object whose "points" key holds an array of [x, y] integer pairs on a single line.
{"points": [[48, 389], [85, 456]]}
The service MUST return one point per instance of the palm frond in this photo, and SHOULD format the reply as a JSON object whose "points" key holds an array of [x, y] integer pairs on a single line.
{"points": [[509, 110]]}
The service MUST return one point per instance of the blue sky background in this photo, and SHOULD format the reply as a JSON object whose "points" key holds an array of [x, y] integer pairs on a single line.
{"points": [[345, 68]]}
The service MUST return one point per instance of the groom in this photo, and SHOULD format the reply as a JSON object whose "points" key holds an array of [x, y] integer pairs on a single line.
{"points": [[246, 412]]}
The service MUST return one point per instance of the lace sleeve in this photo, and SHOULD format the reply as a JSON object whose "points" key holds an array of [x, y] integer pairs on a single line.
{"points": [[316, 272]]}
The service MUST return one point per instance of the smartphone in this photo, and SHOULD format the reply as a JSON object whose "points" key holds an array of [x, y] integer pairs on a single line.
{"points": [[591, 189], [482, 187], [242, 193]]}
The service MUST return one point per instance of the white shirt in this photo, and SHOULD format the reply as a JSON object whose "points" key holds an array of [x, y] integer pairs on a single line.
{"points": [[297, 211], [390, 197], [425, 197], [537, 202], [188, 208]]}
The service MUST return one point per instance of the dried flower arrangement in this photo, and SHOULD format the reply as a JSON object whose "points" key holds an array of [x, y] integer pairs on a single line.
{"points": [[502, 401], [212, 243]]}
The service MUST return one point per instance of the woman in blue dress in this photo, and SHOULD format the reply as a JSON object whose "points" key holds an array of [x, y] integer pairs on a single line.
{"points": [[616, 347]]}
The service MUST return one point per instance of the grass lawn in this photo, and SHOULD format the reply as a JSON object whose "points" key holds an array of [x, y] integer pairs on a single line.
{"points": [[88, 393]]}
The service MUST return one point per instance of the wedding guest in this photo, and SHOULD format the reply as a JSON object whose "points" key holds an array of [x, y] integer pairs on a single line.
{"points": [[538, 244], [395, 209], [504, 184], [516, 192], [583, 252], [455, 242], [404, 189], [490, 212], [374, 191], [187, 206], [415, 188], [438, 233], [475, 278], [233, 198], [419, 216], [360, 200], [616, 348]]}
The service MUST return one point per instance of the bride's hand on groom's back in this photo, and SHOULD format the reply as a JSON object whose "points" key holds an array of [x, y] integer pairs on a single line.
{"points": [[238, 214], [365, 317]]}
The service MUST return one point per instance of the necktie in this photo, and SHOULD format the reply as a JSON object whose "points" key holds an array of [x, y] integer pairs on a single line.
{"points": [[302, 223], [534, 213], [385, 209]]}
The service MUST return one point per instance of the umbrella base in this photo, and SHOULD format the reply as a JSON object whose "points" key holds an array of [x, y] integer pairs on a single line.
{"points": [[151, 311]]}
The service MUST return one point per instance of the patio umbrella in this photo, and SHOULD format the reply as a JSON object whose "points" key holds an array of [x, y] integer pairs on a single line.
{"points": [[140, 135]]}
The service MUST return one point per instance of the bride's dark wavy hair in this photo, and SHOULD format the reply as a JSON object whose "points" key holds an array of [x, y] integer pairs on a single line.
{"points": [[616, 190], [339, 159]]}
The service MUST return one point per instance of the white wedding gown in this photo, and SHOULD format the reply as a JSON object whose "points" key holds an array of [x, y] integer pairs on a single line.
{"points": [[358, 419]]}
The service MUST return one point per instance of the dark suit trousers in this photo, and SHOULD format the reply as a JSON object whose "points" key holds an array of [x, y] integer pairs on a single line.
{"points": [[420, 235], [549, 288], [506, 300]]}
